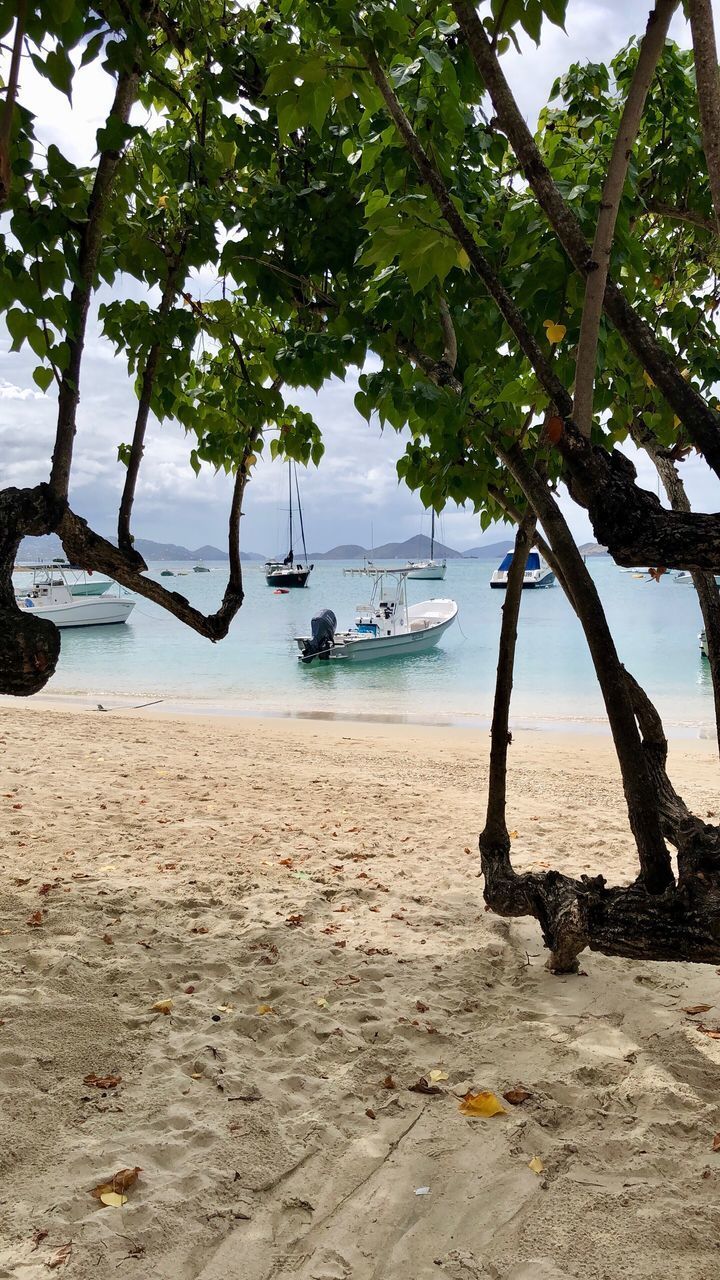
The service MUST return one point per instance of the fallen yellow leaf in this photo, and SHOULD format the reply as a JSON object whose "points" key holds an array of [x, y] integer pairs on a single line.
{"points": [[265, 1008], [437, 1075], [321, 1002], [554, 332], [119, 1183], [536, 1165], [163, 1006], [484, 1103], [514, 835], [113, 1198], [225, 1008]]}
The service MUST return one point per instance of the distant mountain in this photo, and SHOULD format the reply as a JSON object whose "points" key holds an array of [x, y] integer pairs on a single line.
{"points": [[592, 549], [417, 548], [491, 551], [50, 547]]}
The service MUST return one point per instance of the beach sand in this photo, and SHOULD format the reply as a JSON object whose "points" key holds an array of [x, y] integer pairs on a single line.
{"points": [[307, 896]]}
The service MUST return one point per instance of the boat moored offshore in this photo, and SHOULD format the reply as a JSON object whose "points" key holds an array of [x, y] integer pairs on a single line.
{"points": [[386, 627], [537, 572], [51, 595]]}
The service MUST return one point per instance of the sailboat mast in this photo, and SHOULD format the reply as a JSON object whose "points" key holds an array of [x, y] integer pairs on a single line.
{"points": [[302, 526], [432, 534], [290, 495]]}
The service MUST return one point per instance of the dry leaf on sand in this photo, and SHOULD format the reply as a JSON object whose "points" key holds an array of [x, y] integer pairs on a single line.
{"points": [[716, 1142], [485, 1103], [265, 1008], [423, 1086], [536, 1165], [517, 1095], [162, 1006], [712, 1032], [436, 1075], [117, 1185], [61, 1257], [102, 1082], [697, 1008], [114, 1199]]}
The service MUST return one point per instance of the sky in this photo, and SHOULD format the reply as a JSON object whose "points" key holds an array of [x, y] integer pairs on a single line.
{"points": [[354, 495]]}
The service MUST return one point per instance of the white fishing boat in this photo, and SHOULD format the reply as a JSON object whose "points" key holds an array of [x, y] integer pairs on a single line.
{"points": [[386, 627], [432, 569], [82, 582], [50, 594], [537, 573]]}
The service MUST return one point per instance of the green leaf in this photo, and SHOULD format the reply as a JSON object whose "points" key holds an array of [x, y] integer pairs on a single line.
{"points": [[43, 376]]}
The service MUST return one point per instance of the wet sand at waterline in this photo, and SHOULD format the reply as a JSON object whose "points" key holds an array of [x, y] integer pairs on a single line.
{"points": [[306, 894]]}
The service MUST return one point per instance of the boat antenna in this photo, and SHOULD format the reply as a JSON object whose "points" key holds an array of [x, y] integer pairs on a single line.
{"points": [[302, 527]]}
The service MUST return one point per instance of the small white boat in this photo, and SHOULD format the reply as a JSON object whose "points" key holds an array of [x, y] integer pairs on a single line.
{"points": [[537, 573], [431, 570], [387, 627], [51, 595], [703, 645]]}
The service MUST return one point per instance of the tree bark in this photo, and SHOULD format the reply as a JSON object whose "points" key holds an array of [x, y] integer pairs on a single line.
{"points": [[704, 583], [81, 296], [29, 645], [9, 104], [650, 50], [708, 92], [701, 422]]}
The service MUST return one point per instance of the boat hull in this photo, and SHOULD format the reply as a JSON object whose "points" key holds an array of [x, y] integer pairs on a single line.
{"points": [[429, 572], [288, 577], [531, 584], [91, 612]]}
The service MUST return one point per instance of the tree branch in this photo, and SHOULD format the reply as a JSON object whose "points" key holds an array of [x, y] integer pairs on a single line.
{"points": [[495, 831], [137, 448], [9, 104], [86, 548], [450, 349], [701, 422], [708, 91], [679, 214], [80, 298], [650, 50]]}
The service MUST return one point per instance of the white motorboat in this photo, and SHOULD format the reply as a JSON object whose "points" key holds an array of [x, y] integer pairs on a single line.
{"points": [[431, 570], [537, 573], [386, 627], [51, 595], [703, 644]]}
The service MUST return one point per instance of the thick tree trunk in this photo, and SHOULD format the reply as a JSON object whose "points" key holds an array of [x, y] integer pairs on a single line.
{"points": [[708, 91], [29, 645]]}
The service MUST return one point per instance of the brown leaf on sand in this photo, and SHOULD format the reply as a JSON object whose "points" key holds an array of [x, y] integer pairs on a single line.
{"points": [[108, 939], [21, 880], [118, 1184], [295, 921], [60, 1257], [716, 1142], [35, 920], [370, 1114], [388, 1083], [421, 1008], [38, 1237], [423, 1086], [102, 1082], [347, 981], [199, 928], [697, 1008], [517, 1095], [484, 1103], [712, 1032]]}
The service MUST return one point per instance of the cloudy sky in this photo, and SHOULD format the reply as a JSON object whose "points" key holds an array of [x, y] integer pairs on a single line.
{"points": [[355, 490]]}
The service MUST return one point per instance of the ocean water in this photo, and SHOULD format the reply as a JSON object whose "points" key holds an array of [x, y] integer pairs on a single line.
{"points": [[255, 669]]}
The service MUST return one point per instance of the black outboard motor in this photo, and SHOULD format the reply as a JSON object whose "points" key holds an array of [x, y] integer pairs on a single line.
{"points": [[323, 636]]}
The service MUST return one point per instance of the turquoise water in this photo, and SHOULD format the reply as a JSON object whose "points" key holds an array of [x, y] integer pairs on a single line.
{"points": [[255, 669]]}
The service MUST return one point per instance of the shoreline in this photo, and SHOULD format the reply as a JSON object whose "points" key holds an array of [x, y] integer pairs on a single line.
{"points": [[179, 708]]}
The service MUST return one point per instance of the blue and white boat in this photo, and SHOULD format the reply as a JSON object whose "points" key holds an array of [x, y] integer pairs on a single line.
{"points": [[537, 573]]}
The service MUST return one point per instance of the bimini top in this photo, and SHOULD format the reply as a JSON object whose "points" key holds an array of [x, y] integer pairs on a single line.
{"points": [[533, 562]]}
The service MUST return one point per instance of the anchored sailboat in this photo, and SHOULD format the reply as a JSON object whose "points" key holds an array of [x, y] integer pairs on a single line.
{"points": [[290, 572], [433, 569]]}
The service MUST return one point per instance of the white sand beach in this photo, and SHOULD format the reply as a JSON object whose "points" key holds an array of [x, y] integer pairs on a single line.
{"points": [[307, 896]]}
